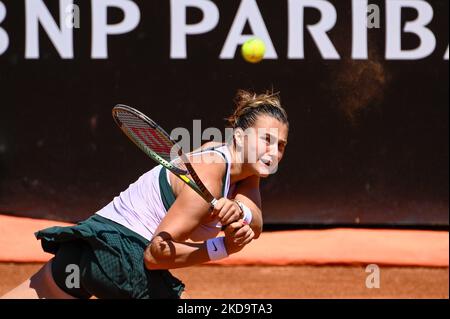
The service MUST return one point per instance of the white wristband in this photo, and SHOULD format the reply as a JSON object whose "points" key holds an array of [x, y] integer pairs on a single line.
{"points": [[216, 248], [247, 212]]}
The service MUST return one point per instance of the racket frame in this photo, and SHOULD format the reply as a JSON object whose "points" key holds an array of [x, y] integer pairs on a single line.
{"points": [[195, 183]]}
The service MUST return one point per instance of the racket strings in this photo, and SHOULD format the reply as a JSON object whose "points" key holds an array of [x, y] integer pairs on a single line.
{"points": [[158, 145], [151, 138]]}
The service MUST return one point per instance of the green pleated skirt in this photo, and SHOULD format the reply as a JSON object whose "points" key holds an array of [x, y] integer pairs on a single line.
{"points": [[113, 260]]}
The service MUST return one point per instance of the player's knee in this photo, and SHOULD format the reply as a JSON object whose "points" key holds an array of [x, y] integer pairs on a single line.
{"points": [[45, 286]]}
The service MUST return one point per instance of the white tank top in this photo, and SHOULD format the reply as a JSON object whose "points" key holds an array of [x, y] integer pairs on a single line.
{"points": [[143, 205]]}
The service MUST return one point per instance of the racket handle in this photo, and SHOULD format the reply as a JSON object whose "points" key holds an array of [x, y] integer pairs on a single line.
{"points": [[213, 202]]}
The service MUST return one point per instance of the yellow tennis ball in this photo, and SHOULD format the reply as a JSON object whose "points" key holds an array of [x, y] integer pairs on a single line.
{"points": [[253, 50]]}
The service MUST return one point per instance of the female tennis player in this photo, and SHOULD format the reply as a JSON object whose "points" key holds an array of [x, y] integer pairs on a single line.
{"points": [[158, 223]]}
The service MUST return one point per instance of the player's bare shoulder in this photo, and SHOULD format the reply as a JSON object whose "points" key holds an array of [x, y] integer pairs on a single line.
{"points": [[211, 144], [204, 156], [210, 167]]}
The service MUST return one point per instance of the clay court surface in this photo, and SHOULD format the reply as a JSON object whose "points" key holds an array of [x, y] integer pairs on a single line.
{"points": [[315, 264], [286, 281]]}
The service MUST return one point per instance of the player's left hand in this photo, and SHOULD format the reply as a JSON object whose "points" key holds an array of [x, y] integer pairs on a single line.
{"points": [[240, 233], [244, 235], [227, 211], [237, 235]]}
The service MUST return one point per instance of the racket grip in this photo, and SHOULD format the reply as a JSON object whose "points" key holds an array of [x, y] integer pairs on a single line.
{"points": [[213, 202]]}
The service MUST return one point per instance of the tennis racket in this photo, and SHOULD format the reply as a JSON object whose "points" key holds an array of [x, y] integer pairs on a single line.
{"points": [[157, 144]]}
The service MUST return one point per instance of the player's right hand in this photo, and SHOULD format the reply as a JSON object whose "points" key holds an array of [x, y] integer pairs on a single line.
{"points": [[237, 235]]}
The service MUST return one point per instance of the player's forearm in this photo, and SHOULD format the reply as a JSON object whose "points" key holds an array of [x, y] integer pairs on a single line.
{"points": [[169, 255], [257, 223]]}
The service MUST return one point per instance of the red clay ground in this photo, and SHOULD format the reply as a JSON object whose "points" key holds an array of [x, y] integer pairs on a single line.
{"points": [[286, 281]]}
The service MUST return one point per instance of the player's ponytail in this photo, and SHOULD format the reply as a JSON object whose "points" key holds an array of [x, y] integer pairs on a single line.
{"points": [[248, 106]]}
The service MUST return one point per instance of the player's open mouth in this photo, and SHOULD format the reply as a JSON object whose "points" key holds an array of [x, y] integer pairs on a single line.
{"points": [[266, 161]]}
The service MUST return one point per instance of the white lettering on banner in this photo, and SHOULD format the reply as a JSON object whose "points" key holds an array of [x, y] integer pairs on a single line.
{"points": [[393, 30], [359, 40], [248, 12], [59, 27], [4, 39], [318, 31], [180, 29], [62, 38], [101, 29]]}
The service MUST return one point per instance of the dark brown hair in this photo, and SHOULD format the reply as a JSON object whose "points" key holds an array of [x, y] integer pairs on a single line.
{"points": [[248, 106]]}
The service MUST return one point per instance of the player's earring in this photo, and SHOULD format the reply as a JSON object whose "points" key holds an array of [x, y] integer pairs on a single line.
{"points": [[239, 138], [239, 141]]}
